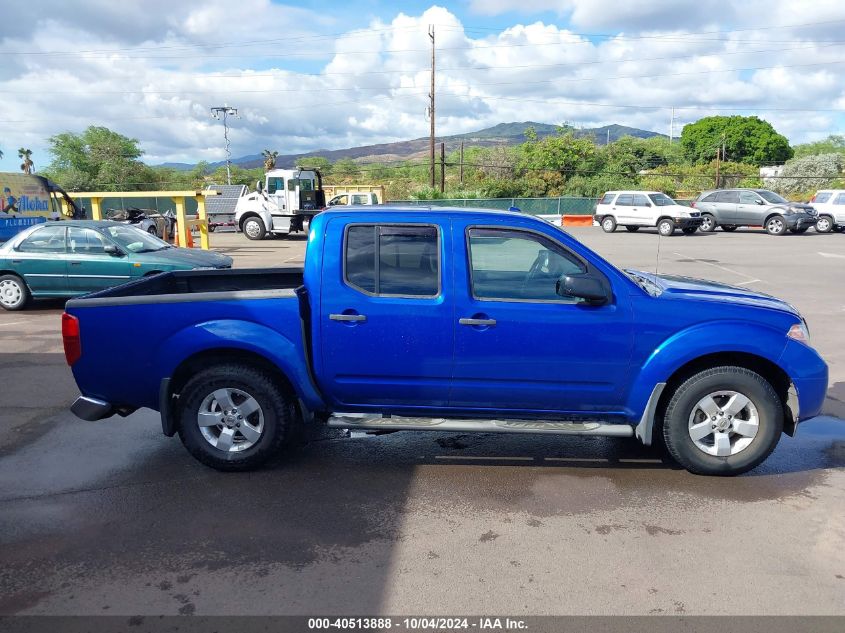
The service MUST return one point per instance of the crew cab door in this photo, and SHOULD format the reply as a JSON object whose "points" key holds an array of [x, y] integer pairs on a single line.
{"points": [[521, 347], [385, 320]]}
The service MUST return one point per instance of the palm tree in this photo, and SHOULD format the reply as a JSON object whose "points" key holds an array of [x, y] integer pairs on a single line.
{"points": [[269, 159], [27, 164]]}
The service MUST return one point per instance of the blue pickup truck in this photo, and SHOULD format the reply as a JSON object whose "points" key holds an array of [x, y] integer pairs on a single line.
{"points": [[447, 320]]}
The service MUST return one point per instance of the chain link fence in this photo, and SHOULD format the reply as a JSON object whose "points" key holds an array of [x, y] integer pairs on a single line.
{"points": [[562, 205]]}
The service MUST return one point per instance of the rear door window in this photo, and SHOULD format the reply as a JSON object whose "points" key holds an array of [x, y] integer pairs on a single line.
{"points": [[731, 197], [640, 200], [840, 199], [50, 239], [393, 260], [625, 200]]}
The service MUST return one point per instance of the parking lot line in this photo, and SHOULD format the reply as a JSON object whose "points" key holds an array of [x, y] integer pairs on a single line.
{"points": [[836, 255], [720, 267]]}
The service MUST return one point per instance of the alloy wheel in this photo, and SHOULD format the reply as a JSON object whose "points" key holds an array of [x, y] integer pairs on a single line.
{"points": [[723, 423], [231, 420]]}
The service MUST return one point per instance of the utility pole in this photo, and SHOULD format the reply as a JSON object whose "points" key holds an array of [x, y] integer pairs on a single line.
{"points": [[672, 127], [462, 164], [442, 167], [431, 108], [225, 111], [608, 138], [720, 156]]}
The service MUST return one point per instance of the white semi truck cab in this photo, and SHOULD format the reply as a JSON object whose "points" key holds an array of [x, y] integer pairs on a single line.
{"points": [[283, 203]]}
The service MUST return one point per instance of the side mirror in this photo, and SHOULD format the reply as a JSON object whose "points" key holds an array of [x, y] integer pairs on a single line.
{"points": [[259, 186], [760, 201], [586, 286], [112, 250]]}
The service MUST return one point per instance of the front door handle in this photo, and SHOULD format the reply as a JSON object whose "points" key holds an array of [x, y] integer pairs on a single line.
{"points": [[76, 263], [347, 317], [477, 321]]}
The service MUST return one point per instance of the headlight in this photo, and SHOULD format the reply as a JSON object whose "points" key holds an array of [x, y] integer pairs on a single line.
{"points": [[799, 332], [788, 211]]}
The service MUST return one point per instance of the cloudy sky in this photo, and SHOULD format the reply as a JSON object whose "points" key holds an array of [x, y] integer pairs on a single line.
{"points": [[320, 74]]}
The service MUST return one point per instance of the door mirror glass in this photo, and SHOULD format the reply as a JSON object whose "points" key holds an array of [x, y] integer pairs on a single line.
{"points": [[587, 287], [112, 250]]}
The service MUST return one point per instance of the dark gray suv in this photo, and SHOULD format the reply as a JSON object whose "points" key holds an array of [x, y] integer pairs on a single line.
{"points": [[732, 208]]}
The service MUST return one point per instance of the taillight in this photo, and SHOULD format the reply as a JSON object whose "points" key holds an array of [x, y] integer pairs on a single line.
{"points": [[71, 339]]}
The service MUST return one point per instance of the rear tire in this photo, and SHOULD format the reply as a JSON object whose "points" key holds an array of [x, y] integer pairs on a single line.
{"points": [[708, 223], [666, 227], [254, 229], [824, 224], [776, 225], [14, 293], [722, 446], [233, 417], [632, 229], [608, 224]]}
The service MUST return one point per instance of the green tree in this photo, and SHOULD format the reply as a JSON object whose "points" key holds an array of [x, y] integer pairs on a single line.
{"points": [[806, 175], [833, 144], [26, 156], [746, 140], [324, 165], [98, 159], [346, 168]]}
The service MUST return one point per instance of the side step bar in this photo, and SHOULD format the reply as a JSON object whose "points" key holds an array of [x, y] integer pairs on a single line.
{"points": [[552, 427]]}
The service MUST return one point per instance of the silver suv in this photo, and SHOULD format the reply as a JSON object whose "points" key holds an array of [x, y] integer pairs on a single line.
{"points": [[732, 208]]}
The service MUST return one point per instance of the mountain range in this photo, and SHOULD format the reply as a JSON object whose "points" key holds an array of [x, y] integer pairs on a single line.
{"points": [[502, 134]]}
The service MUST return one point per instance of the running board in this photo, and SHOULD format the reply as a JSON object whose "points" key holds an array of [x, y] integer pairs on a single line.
{"points": [[552, 427]]}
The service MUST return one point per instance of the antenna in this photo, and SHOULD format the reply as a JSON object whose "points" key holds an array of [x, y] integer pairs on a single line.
{"points": [[657, 261]]}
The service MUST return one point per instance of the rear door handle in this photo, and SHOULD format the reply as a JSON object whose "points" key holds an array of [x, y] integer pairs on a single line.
{"points": [[477, 321], [347, 317], [76, 263]]}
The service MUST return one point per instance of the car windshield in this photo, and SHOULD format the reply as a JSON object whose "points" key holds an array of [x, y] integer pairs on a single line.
{"points": [[771, 196], [661, 200], [135, 240]]}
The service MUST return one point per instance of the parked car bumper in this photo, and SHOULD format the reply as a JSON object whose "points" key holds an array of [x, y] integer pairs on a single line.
{"points": [[809, 374], [799, 220], [686, 223]]}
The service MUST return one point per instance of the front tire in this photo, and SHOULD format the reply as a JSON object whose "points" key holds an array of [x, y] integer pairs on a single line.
{"points": [[689, 230], [254, 229], [666, 227], [708, 223], [776, 225], [824, 224], [723, 421], [233, 417], [608, 224], [14, 293]]}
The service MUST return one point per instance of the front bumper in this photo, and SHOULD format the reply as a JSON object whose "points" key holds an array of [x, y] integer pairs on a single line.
{"points": [[686, 223], [809, 375], [799, 220]]}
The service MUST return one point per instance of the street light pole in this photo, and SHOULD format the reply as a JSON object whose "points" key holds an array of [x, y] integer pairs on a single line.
{"points": [[223, 112]]}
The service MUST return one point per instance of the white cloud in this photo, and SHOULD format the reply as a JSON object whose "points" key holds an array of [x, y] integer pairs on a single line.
{"points": [[151, 72]]}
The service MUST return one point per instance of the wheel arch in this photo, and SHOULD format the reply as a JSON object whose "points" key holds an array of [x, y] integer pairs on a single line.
{"points": [[246, 216], [773, 373], [171, 388]]}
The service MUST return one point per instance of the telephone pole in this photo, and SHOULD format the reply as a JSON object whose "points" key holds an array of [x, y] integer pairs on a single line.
{"points": [[462, 163], [431, 108], [672, 127], [225, 111]]}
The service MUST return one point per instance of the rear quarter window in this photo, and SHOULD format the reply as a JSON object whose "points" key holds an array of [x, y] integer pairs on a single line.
{"points": [[607, 198], [710, 197], [823, 197]]}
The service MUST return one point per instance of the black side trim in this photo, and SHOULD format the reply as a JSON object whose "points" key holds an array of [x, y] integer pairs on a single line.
{"points": [[165, 402], [305, 323]]}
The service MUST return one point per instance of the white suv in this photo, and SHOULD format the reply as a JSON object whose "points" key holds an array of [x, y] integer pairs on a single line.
{"points": [[635, 209], [830, 205]]}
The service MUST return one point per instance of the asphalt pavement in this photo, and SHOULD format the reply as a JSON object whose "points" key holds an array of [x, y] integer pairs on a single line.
{"points": [[113, 518]]}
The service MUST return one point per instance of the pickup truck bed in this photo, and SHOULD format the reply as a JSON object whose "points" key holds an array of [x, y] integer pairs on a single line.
{"points": [[170, 286]]}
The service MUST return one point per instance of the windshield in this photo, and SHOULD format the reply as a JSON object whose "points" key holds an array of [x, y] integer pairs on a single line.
{"points": [[135, 240], [770, 196], [661, 200]]}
